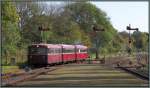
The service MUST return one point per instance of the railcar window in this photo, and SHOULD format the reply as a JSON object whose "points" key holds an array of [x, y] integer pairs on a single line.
{"points": [[52, 50], [57, 50], [39, 50], [81, 51], [68, 51]]}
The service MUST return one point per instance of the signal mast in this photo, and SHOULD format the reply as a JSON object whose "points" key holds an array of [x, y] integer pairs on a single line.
{"points": [[129, 28], [42, 29]]}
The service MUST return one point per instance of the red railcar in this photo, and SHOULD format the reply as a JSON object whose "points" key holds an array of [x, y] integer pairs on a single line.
{"points": [[81, 52], [54, 54], [45, 54], [37, 54], [68, 52]]}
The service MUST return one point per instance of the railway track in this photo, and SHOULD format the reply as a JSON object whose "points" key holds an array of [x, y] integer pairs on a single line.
{"points": [[135, 72], [70, 74], [131, 65], [81, 75], [13, 80]]}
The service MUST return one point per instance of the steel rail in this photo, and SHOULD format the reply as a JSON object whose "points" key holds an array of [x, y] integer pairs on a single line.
{"points": [[135, 73], [29, 75]]}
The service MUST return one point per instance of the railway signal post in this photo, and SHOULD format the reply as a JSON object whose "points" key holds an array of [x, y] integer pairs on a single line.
{"points": [[42, 29], [96, 30], [129, 28]]}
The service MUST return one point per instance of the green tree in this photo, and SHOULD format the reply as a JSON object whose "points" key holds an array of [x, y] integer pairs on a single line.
{"points": [[32, 17], [65, 30], [87, 15], [140, 40], [10, 31]]}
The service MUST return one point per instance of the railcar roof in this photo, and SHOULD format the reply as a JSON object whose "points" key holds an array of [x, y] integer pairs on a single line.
{"points": [[67, 46], [81, 46], [59, 45], [48, 45]]}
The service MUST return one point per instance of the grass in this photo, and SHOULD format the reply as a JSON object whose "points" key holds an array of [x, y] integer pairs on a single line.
{"points": [[9, 69], [92, 55]]}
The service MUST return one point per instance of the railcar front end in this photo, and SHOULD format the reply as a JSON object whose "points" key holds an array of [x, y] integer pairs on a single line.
{"points": [[37, 55]]}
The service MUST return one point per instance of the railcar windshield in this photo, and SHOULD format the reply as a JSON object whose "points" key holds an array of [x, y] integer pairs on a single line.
{"points": [[37, 50]]}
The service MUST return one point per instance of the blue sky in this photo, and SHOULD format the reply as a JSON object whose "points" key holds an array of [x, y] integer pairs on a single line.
{"points": [[124, 13]]}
